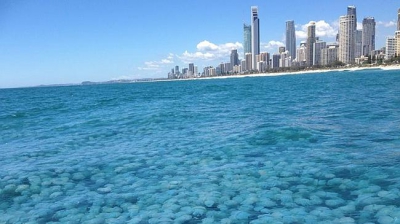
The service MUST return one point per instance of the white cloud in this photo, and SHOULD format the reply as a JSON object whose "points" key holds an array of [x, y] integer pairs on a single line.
{"points": [[386, 24], [359, 26], [190, 57], [210, 51], [272, 45], [166, 61], [300, 34], [322, 29], [157, 65], [206, 46]]}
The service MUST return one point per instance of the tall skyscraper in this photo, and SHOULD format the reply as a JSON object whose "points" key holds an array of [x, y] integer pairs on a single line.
{"points": [[191, 68], [397, 37], [351, 10], [398, 19], [310, 44], [318, 46], [275, 60], [347, 28], [228, 67], [358, 43], [291, 39], [301, 54], [246, 39], [368, 35], [264, 57], [249, 62], [255, 35], [234, 58]]}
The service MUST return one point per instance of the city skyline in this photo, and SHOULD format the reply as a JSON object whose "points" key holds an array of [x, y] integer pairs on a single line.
{"points": [[44, 44]]}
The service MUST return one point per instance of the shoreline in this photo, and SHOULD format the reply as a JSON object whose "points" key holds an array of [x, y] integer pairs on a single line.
{"points": [[271, 74], [390, 67]]}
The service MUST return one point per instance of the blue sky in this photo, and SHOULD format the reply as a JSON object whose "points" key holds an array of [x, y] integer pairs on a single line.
{"points": [[54, 42]]}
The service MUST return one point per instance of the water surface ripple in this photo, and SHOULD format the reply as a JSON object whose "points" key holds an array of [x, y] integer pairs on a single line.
{"points": [[315, 148]]}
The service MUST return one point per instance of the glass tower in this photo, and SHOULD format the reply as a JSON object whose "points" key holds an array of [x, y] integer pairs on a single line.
{"points": [[255, 35], [368, 35], [246, 39], [310, 44], [291, 39]]}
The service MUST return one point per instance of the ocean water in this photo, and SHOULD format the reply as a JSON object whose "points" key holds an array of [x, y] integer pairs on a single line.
{"points": [[313, 148]]}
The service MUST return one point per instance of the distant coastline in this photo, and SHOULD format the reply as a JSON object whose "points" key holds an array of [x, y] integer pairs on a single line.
{"points": [[311, 71]]}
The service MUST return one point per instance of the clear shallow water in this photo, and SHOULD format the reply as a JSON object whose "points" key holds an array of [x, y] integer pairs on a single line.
{"points": [[316, 148]]}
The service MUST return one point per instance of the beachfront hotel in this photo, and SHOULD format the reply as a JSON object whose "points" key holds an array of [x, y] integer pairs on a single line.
{"points": [[347, 28]]}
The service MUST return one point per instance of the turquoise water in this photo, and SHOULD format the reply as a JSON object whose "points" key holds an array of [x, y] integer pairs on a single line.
{"points": [[315, 148]]}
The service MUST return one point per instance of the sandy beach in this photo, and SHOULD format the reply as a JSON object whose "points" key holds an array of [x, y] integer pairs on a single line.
{"points": [[391, 67]]}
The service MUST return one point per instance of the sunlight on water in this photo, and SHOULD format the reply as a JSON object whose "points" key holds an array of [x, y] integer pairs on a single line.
{"points": [[318, 148]]}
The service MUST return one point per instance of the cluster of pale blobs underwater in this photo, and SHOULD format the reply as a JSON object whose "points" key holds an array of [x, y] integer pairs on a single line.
{"points": [[148, 191]]}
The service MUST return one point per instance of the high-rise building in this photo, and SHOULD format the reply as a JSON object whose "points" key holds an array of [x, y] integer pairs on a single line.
{"points": [[310, 44], [351, 10], [390, 47], [275, 60], [191, 69], [184, 72], [246, 39], [329, 55], [222, 68], [301, 54], [243, 64], [249, 62], [358, 43], [177, 69], [397, 36], [291, 39], [318, 46], [228, 67], [398, 19], [212, 71], [368, 35], [347, 28], [284, 61], [255, 35], [234, 58], [196, 71], [264, 57], [281, 50]]}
